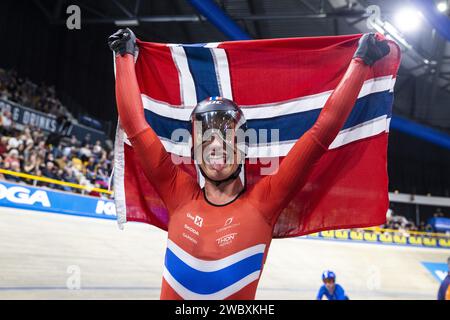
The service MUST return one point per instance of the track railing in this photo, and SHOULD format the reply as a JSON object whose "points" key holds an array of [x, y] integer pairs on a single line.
{"points": [[54, 181]]}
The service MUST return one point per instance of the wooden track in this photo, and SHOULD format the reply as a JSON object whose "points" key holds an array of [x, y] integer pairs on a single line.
{"points": [[40, 254]]}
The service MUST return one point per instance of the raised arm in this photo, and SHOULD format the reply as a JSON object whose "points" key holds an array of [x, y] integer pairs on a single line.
{"points": [[277, 189], [171, 183]]}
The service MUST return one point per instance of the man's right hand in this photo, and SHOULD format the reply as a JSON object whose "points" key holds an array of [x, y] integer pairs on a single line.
{"points": [[122, 42], [371, 48]]}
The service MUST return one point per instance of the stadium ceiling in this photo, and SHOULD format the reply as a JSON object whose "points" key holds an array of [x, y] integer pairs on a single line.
{"points": [[426, 55]]}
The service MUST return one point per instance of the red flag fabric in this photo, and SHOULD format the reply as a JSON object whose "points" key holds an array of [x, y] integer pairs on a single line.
{"points": [[280, 84]]}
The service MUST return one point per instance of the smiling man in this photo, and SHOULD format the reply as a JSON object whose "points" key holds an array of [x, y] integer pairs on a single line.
{"points": [[219, 235]]}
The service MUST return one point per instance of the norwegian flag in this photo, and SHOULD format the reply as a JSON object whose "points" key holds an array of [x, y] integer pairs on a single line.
{"points": [[279, 84]]}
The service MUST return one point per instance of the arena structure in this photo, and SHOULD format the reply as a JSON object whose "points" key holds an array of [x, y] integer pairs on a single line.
{"points": [[59, 236]]}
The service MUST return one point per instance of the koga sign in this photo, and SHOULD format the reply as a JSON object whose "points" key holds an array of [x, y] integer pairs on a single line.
{"points": [[40, 199], [23, 195], [105, 207]]}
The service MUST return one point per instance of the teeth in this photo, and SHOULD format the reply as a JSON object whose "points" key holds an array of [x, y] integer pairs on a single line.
{"points": [[216, 158]]}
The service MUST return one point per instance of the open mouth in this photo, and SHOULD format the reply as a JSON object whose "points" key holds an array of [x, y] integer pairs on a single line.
{"points": [[217, 162]]}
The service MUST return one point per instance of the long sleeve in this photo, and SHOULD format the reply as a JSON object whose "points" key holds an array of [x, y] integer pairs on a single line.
{"points": [[172, 183], [276, 190], [128, 97]]}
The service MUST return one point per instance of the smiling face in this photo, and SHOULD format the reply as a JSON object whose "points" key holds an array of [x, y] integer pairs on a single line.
{"points": [[219, 159], [218, 130]]}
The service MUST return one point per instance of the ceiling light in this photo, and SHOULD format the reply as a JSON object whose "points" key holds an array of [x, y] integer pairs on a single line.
{"points": [[126, 23], [442, 6], [408, 19]]}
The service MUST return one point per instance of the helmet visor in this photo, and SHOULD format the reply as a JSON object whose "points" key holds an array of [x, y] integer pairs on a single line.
{"points": [[223, 127]]}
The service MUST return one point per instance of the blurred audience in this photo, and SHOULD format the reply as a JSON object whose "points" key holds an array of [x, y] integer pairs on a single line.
{"points": [[29, 151], [39, 97], [54, 156], [400, 223]]}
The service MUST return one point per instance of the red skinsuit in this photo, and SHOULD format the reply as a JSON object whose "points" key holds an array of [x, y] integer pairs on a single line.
{"points": [[217, 252]]}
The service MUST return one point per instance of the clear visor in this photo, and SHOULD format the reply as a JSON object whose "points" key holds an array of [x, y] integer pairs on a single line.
{"points": [[220, 130]]}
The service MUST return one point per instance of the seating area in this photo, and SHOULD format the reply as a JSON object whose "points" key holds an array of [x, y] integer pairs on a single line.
{"points": [[33, 151]]}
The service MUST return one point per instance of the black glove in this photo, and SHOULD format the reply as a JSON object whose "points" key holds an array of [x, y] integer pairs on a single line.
{"points": [[370, 49], [122, 42]]}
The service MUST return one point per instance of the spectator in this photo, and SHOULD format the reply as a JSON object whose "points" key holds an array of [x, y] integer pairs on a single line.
{"points": [[13, 143], [77, 165], [15, 166], [6, 121], [98, 150], [67, 176], [57, 151], [49, 170], [103, 172], [84, 153], [67, 150], [91, 167], [29, 148], [62, 161], [42, 149], [12, 159], [50, 158], [31, 164]]}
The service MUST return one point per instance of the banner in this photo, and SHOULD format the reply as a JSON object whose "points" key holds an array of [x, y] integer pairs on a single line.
{"points": [[383, 238], [24, 116], [32, 198]]}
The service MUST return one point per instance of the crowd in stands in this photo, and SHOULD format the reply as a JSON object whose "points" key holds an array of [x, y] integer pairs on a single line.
{"points": [[26, 93], [30, 151], [33, 151]]}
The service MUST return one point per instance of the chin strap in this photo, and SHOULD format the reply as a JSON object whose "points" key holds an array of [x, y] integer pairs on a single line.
{"points": [[218, 182]]}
